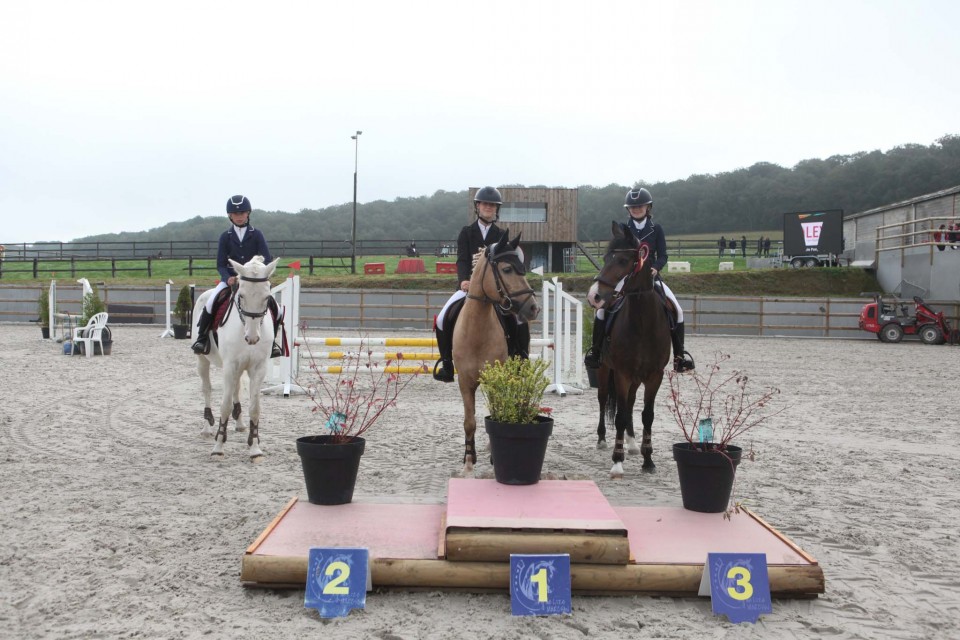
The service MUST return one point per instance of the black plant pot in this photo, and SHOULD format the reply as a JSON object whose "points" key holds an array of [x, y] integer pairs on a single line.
{"points": [[706, 476], [45, 332], [329, 469], [180, 331], [592, 377], [518, 450]]}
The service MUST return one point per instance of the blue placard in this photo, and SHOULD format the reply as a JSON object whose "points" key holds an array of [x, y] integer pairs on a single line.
{"points": [[539, 584], [739, 585], [337, 580]]}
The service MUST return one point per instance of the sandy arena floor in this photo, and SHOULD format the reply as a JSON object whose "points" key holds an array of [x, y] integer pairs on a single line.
{"points": [[118, 525]]}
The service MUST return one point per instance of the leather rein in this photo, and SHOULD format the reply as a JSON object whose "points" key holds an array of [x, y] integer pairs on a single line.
{"points": [[507, 298]]}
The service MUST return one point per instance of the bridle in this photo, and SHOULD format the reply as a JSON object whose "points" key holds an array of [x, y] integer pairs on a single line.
{"points": [[642, 254], [507, 298], [243, 312]]}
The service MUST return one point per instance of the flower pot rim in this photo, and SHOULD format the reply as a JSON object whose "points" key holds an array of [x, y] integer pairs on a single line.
{"points": [[538, 419]]}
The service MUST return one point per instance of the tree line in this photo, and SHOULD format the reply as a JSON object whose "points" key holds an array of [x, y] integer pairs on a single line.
{"points": [[742, 200]]}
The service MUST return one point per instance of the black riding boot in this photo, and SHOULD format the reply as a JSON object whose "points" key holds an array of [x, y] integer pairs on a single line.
{"points": [[682, 360], [522, 340], [591, 359], [443, 370], [202, 345]]}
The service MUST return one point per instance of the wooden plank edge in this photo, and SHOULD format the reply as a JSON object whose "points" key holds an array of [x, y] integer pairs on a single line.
{"points": [[474, 546], [783, 538], [270, 527], [786, 581]]}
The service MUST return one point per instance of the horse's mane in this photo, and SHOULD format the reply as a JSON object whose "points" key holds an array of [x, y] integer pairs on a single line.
{"points": [[476, 258]]}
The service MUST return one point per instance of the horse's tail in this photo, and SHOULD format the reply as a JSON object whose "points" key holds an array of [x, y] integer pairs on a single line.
{"points": [[611, 407]]}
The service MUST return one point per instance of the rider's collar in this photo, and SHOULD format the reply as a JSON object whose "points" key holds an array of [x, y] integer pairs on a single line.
{"points": [[640, 224]]}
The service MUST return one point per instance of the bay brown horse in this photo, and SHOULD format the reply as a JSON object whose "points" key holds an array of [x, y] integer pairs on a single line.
{"points": [[638, 343], [498, 285]]}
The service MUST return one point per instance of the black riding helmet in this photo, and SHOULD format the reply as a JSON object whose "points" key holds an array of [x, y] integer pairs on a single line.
{"points": [[488, 194], [239, 204], [638, 198]]}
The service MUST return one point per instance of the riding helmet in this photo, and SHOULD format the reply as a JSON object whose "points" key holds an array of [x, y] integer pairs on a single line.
{"points": [[488, 194], [238, 204], [638, 198]]}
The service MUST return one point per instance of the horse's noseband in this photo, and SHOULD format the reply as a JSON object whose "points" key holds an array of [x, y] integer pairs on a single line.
{"points": [[642, 253], [249, 314]]}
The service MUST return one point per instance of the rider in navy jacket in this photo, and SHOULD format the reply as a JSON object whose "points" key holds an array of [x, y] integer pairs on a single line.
{"points": [[638, 204], [238, 243]]}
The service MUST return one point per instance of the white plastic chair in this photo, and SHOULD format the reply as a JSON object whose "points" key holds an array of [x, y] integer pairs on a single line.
{"points": [[91, 333]]}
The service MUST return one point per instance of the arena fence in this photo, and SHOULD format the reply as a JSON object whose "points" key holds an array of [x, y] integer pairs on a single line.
{"points": [[335, 310]]}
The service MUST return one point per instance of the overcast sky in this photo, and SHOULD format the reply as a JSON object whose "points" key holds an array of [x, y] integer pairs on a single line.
{"points": [[127, 115]]}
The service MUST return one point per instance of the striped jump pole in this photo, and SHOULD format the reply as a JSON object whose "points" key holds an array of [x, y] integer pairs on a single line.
{"points": [[559, 343]]}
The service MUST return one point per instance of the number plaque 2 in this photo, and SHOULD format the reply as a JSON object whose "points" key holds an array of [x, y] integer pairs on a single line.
{"points": [[337, 580]]}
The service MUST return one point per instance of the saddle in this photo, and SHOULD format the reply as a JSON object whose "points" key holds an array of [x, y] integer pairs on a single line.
{"points": [[507, 321]]}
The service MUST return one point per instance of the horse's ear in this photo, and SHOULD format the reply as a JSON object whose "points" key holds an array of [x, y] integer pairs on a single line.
{"points": [[616, 229], [516, 241], [236, 265], [502, 241], [272, 267]]}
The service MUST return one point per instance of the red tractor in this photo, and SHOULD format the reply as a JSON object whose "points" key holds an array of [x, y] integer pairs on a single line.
{"points": [[891, 320]]}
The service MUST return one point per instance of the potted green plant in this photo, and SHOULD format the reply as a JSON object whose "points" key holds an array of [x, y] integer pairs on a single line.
{"points": [[182, 310], [518, 432], [348, 403], [713, 407], [43, 308]]}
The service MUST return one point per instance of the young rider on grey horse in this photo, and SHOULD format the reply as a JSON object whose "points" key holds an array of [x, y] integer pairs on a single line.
{"points": [[639, 204], [239, 243], [480, 233]]}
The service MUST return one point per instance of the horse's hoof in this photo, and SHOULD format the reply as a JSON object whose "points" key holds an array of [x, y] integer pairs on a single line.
{"points": [[649, 468], [257, 459], [216, 456], [602, 444], [616, 476], [240, 427], [206, 435], [632, 451]]}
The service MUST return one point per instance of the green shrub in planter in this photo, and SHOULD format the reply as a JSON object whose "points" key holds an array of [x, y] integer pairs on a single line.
{"points": [[184, 306], [514, 389]]}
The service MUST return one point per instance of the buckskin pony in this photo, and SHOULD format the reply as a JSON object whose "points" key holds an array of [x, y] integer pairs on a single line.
{"points": [[499, 283], [637, 347]]}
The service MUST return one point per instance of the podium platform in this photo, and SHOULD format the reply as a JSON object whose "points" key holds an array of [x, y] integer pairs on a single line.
{"points": [[466, 543]]}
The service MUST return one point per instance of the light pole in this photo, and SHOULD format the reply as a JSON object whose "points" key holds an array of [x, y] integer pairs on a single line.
{"points": [[353, 234]]}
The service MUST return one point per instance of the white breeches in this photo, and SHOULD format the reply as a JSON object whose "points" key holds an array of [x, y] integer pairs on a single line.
{"points": [[220, 287], [601, 313], [459, 295]]}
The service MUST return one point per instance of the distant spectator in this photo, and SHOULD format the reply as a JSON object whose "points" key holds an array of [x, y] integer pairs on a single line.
{"points": [[743, 245], [938, 237], [766, 247], [952, 236], [412, 249], [722, 244], [733, 248], [759, 246]]}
